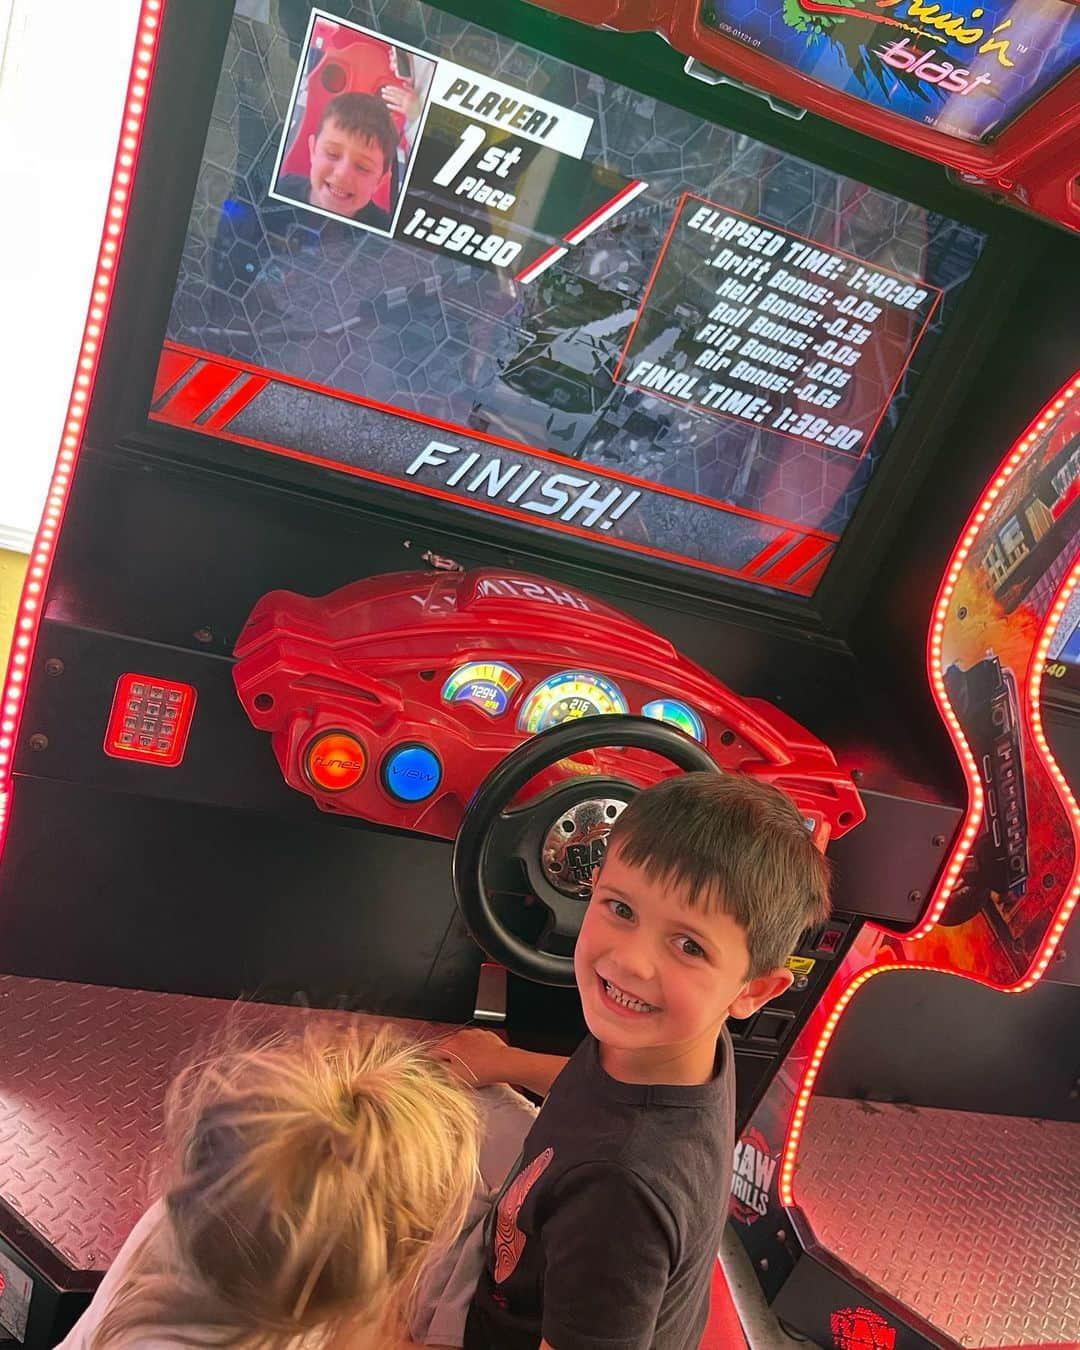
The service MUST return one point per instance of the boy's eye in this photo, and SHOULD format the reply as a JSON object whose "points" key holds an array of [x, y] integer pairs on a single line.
{"points": [[689, 947], [620, 909]]}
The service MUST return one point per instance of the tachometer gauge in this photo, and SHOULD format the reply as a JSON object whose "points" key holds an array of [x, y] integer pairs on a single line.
{"points": [[569, 695], [487, 685], [677, 714]]}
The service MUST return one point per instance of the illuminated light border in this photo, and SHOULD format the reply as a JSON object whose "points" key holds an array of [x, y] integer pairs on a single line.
{"points": [[1033, 715], [973, 820], [1033, 711], [43, 551], [793, 1139], [802, 1102]]}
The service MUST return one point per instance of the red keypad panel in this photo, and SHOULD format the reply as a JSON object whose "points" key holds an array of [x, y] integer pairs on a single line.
{"points": [[150, 720]]}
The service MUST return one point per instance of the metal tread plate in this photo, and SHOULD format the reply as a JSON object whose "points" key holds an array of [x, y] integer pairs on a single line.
{"points": [[972, 1220], [83, 1072]]}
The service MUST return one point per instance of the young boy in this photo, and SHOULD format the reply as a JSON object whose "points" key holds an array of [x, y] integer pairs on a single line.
{"points": [[351, 153], [605, 1234]]}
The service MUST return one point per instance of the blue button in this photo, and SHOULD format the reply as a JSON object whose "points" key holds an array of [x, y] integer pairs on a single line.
{"points": [[411, 773]]}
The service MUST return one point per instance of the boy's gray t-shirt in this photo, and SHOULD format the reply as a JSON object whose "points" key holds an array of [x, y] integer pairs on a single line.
{"points": [[605, 1235]]}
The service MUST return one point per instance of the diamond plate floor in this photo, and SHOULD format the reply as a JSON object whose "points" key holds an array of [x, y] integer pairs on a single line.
{"points": [[972, 1220], [83, 1071]]}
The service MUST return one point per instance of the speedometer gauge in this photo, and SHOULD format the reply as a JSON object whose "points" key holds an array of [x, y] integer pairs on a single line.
{"points": [[569, 695]]}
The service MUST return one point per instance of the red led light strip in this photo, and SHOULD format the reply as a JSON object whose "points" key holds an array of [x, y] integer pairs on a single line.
{"points": [[41, 557], [1033, 716], [937, 674]]}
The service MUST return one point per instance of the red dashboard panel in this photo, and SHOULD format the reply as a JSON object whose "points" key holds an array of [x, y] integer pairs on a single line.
{"points": [[1033, 158], [392, 698]]}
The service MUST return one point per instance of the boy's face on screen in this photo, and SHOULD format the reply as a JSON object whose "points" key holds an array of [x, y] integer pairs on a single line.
{"points": [[657, 978], [346, 169]]}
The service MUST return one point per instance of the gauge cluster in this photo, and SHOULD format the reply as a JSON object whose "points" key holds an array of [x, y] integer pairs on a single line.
{"points": [[392, 698], [490, 686]]}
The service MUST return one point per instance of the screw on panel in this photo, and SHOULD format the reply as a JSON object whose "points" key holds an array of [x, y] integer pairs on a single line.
{"points": [[54, 666], [938, 841], [914, 897], [856, 775], [203, 635], [38, 741]]}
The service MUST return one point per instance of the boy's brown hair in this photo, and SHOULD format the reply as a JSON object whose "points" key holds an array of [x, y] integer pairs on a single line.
{"points": [[736, 844], [363, 115]]}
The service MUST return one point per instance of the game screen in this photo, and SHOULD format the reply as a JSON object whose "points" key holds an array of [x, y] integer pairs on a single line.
{"points": [[431, 256], [968, 70]]}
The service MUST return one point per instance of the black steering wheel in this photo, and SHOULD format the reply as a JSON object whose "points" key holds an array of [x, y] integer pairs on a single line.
{"points": [[531, 868]]}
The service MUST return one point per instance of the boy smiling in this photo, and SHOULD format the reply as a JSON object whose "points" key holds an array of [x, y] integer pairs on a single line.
{"points": [[351, 153], [605, 1235]]}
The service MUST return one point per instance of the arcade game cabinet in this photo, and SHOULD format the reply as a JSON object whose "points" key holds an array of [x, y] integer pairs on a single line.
{"points": [[427, 489]]}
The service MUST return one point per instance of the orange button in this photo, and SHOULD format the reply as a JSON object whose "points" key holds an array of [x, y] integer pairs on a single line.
{"points": [[335, 761]]}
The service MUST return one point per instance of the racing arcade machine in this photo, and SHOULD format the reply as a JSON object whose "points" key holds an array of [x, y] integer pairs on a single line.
{"points": [[376, 492], [878, 1199]]}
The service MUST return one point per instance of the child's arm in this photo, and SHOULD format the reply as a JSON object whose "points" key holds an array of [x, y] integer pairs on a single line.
{"points": [[481, 1057]]}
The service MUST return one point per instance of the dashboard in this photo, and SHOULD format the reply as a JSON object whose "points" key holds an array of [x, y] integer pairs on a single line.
{"points": [[392, 698]]}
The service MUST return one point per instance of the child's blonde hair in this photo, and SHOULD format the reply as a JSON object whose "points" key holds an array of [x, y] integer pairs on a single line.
{"points": [[309, 1180]]}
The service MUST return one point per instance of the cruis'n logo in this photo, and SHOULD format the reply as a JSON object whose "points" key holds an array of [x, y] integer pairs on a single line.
{"points": [[926, 21]]}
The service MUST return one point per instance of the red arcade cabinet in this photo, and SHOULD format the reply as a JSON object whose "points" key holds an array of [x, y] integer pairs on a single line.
{"points": [[380, 568]]}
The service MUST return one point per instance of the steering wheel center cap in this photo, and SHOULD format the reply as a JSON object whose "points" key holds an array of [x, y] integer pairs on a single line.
{"points": [[576, 842]]}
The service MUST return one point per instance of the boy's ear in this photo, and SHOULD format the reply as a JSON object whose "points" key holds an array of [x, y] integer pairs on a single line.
{"points": [[311, 146], [760, 990]]}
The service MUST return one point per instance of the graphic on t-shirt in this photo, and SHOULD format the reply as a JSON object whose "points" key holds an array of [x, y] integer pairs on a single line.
{"points": [[509, 1239]]}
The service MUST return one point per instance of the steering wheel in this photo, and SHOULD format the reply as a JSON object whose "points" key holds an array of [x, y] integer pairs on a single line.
{"points": [[535, 864]]}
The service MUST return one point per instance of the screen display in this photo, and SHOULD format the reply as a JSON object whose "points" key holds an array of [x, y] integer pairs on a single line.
{"points": [[427, 254], [967, 70]]}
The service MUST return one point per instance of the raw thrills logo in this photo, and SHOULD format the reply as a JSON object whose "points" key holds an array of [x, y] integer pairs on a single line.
{"points": [[754, 1170], [861, 1329], [590, 503]]}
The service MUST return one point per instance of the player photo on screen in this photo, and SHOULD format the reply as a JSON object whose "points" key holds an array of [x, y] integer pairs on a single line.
{"points": [[357, 111]]}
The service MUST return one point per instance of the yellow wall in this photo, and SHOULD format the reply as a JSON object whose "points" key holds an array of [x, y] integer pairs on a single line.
{"points": [[12, 571]]}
